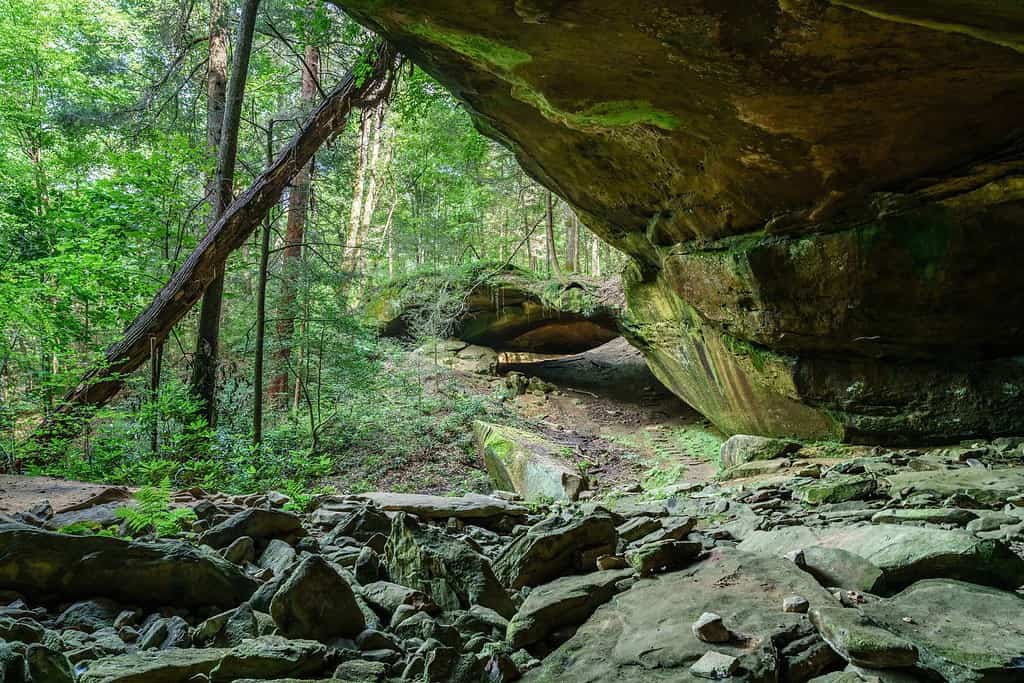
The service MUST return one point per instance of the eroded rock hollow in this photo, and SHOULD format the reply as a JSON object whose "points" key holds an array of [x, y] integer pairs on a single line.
{"points": [[822, 200]]}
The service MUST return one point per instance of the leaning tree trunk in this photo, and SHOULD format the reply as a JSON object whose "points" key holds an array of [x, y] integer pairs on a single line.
{"points": [[298, 206], [204, 367], [231, 231], [556, 270]]}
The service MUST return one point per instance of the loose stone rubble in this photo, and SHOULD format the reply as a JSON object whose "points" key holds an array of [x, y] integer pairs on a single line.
{"points": [[741, 579]]}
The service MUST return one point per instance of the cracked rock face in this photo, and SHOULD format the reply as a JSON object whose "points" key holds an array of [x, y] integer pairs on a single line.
{"points": [[822, 199]]}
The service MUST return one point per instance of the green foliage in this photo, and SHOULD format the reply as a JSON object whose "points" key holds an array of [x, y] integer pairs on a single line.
{"points": [[152, 512]]}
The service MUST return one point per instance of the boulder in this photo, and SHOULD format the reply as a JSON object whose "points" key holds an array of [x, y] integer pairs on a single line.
{"points": [[271, 657], [837, 488], [316, 602], [444, 567], [561, 604], [256, 523], [838, 568], [861, 642], [988, 487], [554, 547], [649, 628], [469, 507], [743, 448], [963, 632], [41, 563], [89, 615], [904, 554], [526, 463], [153, 666], [958, 516], [775, 247], [664, 555], [504, 307]]}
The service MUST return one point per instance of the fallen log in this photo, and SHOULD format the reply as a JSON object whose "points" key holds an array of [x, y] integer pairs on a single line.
{"points": [[361, 86]]}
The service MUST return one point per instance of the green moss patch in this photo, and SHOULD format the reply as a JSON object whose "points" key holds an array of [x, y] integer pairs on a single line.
{"points": [[474, 47]]}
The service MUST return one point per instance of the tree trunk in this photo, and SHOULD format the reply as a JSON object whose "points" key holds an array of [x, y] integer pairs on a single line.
{"points": [[204, 368], [552, 254], [231, 231], [261, 310], [298, 206], [572, 240], [595, 255], [356, 215]]}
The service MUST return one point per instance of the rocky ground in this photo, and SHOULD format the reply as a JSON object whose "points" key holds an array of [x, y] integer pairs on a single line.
{"points": [[799, 563]]}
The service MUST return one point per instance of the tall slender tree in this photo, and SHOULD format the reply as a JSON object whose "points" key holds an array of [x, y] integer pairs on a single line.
{"points": [[298, 208], [204, 368]]}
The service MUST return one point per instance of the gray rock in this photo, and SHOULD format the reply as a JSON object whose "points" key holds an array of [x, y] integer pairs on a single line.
{"points": [[257, 523], [89, 615], [565, 602], [41, 563], [957, 516], [47, 665], [277, 556], [743, 448], [156, 666], [242, 551], [386, 597], [710, 628], [648, 628], [795, 603], [715, 666], [270, 657], [444, 567], [317, 602], [905, 554], [472, 506], [555, 547], [861, 642], [663, 556], [526, 463]]}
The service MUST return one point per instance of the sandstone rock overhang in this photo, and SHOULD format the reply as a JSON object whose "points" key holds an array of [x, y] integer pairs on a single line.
{"points": [[502, 307], [823, 200]]}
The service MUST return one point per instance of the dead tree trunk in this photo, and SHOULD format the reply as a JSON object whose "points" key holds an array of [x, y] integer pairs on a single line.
{"points": [[231, 231], [298, 206], [204, 366]]}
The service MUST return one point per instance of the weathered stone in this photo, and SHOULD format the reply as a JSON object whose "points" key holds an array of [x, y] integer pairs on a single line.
{"points": [[649, 627], [316, 602], [958, 516], [271, 657], [989, 487], [89, 615], [710, 628], [795, 603], [360, 524], [41, 563], [838, 568], [242, 550], [715, 666], [905, 554], [468, 507], [256, 523], [776, 247], [504, 307], [663, 556], [837, 488], [555, 547], [859, 641], [564, 602], [963, 632], [526, 463], [444, 567], [277, 556], [158, 666], [387, 597], [46, 665], [743, 448]]}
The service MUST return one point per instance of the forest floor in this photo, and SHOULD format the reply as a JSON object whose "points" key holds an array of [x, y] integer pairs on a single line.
{"points": [[656, 441]]}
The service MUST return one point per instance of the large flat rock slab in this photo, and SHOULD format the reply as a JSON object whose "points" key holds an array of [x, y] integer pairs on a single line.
{"points": [[989, 487], [905, 554], [645, 634], [470, 507]]}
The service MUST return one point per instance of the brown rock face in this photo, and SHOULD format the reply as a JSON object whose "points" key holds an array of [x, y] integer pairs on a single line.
{"points": [[823, 200]]}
